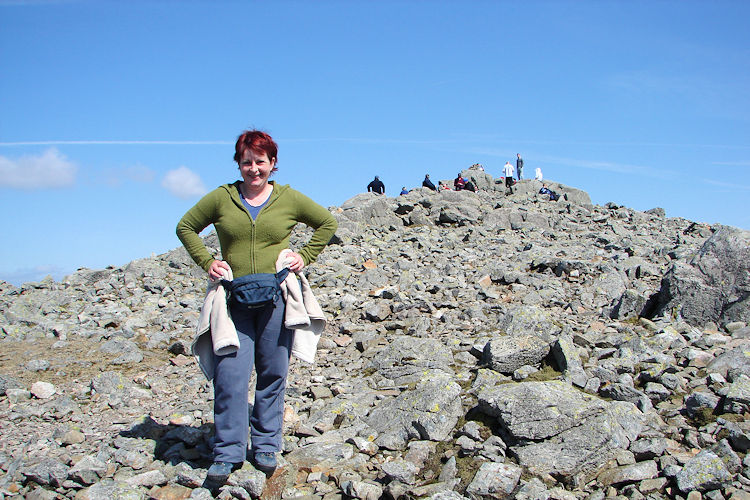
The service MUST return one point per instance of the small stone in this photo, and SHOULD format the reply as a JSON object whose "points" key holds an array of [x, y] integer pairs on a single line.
{"points": [[495, 479], [37, 365], [400, 470], [43, 390], [17, 395], [652, 485], [73, 436], [181, 360], [629, 473], [320, 392], [181, 419], [171, 492], [148, 479]]}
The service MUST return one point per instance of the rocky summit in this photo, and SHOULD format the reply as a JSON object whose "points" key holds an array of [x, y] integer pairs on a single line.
{"points": [[480, 345]]}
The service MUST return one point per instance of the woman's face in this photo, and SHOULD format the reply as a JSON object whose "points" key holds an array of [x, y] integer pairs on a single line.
{"points": [[255, 169]]}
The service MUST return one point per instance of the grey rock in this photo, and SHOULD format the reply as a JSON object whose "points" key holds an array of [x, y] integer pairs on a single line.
{"points": [[494, 480], [110, 383], [251, 480], [629, 473], [622, 392], [87, 470], [506, 354], [321, 453], [430, 412], [405, 359], [538, 410], [530, 320], [706, 471], [554, 420], [737, 398], [701, 401], [569, 361], [40, 494], [739, 439], [43, 390], [109, 489], [714, 285], [201, 494], [148, 479], [400, 470], [17, 395], [8, 382], [48, 472], [37, 365], [648, 448], [446, 495], [362, 490], [449, 471], [735, 361]]}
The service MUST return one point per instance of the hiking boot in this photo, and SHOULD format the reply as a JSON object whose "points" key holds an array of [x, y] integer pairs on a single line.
{"points": [[219, 471], [265, 461]]}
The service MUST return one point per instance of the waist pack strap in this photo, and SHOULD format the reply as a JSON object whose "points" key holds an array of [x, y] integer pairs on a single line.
{"points": [[281, 275]]}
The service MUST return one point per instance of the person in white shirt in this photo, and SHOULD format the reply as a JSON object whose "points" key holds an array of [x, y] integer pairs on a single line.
{"points": [[508, 171]]}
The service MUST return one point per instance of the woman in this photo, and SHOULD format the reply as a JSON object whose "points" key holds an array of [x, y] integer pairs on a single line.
{"points": [[253, 218]]}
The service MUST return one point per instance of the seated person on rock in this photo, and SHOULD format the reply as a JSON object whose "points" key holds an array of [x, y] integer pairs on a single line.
{"points": [[553, 196]]}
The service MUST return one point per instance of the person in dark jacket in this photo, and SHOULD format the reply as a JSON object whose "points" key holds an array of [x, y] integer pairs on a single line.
{"points": [[519, 165], [376, 186], [459, 182], [553, 196], [428, 183]]}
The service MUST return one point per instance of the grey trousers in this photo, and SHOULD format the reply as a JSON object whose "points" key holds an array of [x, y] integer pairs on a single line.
{"points": [[265, 343]]}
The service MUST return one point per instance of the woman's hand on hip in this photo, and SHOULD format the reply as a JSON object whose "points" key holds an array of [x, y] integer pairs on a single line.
{"points": [[215, 272], [296, 263]]}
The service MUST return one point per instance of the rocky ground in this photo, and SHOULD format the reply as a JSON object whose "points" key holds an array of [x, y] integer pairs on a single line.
{"points": [[480, 345]]}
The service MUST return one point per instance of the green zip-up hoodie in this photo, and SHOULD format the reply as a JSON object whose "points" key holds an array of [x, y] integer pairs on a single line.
{"points": [[252, 246]]}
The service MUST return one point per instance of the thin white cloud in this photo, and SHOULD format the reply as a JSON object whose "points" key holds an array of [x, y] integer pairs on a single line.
{"points": [[51, 169], [114, 143], [732, 163], [183, 183], [730, 185], [620, 168]]}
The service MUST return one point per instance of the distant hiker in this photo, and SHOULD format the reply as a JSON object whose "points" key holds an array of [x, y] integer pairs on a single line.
{"points": [[538, 174], [469, 186], [519, 165], [459, 182], [508, 173], [253, 218], [553, 196], [376, 186], [404, 191], [428, 183]]}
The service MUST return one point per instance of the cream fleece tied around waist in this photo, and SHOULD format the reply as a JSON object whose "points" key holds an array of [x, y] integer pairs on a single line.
{"points": [[303, 313], [215, 318]]}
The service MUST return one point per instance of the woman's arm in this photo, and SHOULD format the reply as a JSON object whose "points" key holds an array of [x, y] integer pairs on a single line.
{"points": [[192, 223], [319, 218]]}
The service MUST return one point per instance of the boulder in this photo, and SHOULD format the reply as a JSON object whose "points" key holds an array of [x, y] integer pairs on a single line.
{"points": [[714, 286], [552, 419]]}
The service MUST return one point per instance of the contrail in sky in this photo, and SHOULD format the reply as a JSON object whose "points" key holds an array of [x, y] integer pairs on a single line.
{"points": [[109, 143]]}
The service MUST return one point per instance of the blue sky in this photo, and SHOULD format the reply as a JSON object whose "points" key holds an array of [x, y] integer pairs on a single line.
{"points": [[115, 117]]}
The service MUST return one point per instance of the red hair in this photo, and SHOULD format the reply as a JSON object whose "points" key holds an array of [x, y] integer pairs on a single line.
{"points": [[258, 142]]}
